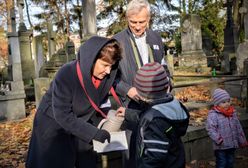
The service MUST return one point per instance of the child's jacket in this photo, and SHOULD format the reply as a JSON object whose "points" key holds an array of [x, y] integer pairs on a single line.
{"points": [[226, 132], [159, 135]]}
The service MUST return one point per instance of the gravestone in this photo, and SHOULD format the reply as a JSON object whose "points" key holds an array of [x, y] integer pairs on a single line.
{"points": [[12, 105], [191, 39], [242, 50], [70, 51], [49, 69]]}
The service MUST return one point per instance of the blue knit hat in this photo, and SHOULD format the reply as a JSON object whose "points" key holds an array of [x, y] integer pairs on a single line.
{"points": [[220, 96], [151, 81]]}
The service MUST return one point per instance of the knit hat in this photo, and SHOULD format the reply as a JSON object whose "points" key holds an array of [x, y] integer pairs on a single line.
{"points": [[220, 96], [151, 81]]}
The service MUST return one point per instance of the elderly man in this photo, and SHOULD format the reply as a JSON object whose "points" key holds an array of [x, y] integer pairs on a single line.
{"points": [[141, 45]]}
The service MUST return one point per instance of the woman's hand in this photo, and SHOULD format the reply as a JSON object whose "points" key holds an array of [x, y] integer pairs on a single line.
{"points": [[120, 112], [102, 136]]}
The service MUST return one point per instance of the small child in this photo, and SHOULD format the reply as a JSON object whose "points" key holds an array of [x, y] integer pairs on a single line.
{"points": [[224, 129], [162, 121]]}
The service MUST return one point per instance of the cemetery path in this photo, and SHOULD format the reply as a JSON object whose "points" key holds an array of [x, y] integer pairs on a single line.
{"points": [[15, 136]]}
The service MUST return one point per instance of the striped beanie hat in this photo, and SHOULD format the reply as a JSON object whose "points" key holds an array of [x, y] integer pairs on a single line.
{"points": [[220, 96], [151, 81]]}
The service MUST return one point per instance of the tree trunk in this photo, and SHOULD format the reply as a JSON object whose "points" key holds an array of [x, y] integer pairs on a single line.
{"points": [[27, 11], [89, 17]]}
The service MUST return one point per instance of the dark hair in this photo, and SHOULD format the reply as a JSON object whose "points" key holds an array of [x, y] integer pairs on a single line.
{"points": [[111, 52]]}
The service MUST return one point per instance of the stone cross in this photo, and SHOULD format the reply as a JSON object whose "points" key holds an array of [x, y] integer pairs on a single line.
{"points": [[12, 18], [20, 9]]}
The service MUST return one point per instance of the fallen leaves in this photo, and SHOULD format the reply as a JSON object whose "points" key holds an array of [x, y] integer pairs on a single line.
{"points": [[195, 93], [198, 117], [14, 140], [200, 94]]}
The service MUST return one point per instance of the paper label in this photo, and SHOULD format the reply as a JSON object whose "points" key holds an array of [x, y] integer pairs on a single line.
{"points": [[118, 142]]}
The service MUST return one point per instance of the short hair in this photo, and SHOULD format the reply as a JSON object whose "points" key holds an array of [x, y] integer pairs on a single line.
{"points": [[111, 52], [135, 6]]}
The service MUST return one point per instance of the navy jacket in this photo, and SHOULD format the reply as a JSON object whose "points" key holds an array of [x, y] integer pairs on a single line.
{"points": [[65, 122], [159, 134]]}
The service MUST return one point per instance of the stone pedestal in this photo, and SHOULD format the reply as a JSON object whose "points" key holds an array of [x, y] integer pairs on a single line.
{"points": [[41, 85], [12, 104], [193, 58]]}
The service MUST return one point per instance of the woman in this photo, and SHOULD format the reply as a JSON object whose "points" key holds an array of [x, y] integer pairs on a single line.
{"points": [[66, 122]]}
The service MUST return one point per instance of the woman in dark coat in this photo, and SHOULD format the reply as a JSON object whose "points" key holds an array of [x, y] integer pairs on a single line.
{"points": [[66, 123]]}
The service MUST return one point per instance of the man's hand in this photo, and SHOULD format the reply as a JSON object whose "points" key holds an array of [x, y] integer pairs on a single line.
{"points": [[133, 94]]}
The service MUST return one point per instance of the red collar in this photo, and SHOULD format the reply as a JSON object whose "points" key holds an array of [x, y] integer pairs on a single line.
{"points": [[96, 82]]}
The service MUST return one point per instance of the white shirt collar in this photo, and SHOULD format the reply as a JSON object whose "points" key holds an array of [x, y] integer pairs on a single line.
{"points": [[142, 36]]}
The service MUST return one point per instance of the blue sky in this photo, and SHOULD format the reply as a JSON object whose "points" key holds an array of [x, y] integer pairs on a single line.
{"points": [[34, 9]]}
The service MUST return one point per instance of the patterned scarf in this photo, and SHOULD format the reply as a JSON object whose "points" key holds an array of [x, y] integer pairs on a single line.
{"points": [[227, 112]]}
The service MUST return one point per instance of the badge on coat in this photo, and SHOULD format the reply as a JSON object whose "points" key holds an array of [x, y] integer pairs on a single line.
{"points": [[155, 47]]}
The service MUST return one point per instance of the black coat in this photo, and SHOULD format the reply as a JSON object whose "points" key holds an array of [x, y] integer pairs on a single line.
{"points": [[65, 122]]}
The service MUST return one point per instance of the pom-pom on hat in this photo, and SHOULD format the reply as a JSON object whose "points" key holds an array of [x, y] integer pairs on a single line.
{"points": [[220, 96], [151, 81]]}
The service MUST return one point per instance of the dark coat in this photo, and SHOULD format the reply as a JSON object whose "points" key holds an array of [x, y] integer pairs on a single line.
{"points": [[65, 122], [159, 134], [128, 66]]}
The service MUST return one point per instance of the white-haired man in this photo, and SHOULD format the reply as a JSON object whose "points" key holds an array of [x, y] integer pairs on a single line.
{"points": [[140, 45]]}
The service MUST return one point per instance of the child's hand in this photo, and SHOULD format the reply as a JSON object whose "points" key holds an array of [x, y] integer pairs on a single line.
{"points": [[120, 112]]}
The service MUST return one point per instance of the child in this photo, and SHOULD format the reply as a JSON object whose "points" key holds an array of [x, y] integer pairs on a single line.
{"points": [[224, 129], [162, 122]]}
